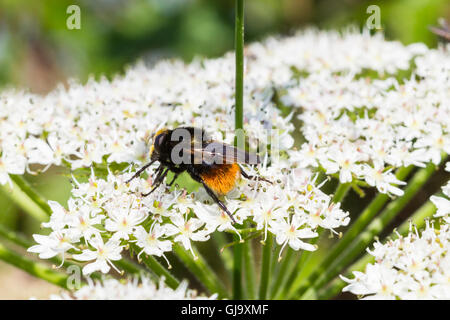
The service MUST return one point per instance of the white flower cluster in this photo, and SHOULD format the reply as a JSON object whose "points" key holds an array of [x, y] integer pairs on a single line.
{"points": [[443, 204], [411, 267], [361, 127], [105, 216], [355, 128], [145, 289], [85, 124]]}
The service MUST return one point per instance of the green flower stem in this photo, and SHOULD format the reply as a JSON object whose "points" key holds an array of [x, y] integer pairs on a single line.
{"points": [[355, 229], [129, 266], [265, 268], [239, 125], [239, 81], [14, 237], [418, 219], [249, 269], [237, 268], [158, 269], [282, 273], [338, 284], [296, 276], [26, 187], [242, 231], [341, 191], [238, 240], [374, 228], [36, 269], [25, 200], [220, 240], [201, 270]]}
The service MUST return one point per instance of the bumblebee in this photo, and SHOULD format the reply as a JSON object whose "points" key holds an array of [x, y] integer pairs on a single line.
{"points": [[213, 164]]}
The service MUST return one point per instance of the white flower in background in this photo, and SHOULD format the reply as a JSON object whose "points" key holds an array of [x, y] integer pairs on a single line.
{"points": [[410, 267], [152, 242], [382, 180], [122, 221], [52, 245], [186, 229], [103, 255], [132, 289], [291, 233], [353, 128], [11, 165], [443, 203]]}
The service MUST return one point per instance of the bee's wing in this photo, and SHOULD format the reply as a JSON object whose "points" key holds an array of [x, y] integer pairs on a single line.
{"points": [[443, 31], [222, 153]]}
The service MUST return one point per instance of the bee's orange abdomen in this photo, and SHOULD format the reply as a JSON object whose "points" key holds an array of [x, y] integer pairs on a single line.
{"points": [[222, 178]]}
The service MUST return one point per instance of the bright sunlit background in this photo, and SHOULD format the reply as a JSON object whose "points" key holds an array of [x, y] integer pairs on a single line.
{"points": [[37, 51]]}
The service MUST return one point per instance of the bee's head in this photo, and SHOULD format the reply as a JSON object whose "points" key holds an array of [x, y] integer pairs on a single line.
{"points": [[158, 140]]}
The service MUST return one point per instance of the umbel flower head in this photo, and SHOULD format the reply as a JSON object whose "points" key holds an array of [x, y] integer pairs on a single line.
{"points": [[416, 266], [355, 128], [132, 289]]}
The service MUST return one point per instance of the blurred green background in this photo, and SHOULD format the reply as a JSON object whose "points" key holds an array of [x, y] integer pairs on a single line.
{"points": [[38, 51]]}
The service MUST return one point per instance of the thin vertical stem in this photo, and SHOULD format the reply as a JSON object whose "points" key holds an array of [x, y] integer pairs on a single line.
{"points": [[158, 269], [265, 269], [237, 270], [249, 270], [281, 276], [239, 43], [239, 124]]}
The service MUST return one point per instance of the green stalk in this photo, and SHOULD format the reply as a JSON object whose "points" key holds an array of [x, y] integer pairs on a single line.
{"points": [[374, 228], [201, 270], [158, 269], [265, 268], [282, 273], [36, 269], [341, 191], [418, 219], [249, 269], [14, 237], [26, 187], [237, 269], [239, 81], [225, 255], [239, 125], [25, 200], [338, 284], [354, 230], [128, 266]]}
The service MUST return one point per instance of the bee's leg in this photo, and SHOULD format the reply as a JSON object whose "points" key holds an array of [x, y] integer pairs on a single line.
{"points": [[246, 176], [217, 200], [138, 173], [192, 172], [158, 180], [174, 178]]}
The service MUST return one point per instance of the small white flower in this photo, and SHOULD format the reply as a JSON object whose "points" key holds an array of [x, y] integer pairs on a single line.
{"points": [[103, 254]]}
